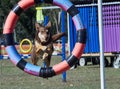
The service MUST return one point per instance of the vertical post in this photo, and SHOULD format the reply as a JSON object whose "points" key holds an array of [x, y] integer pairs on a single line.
{"points": [[46, 20], [68, 28], [63, 43], [102, 71]]}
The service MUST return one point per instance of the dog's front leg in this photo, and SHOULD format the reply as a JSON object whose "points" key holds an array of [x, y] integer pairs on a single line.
{"points": [[45, 55], [57, 36], [47, 58]]}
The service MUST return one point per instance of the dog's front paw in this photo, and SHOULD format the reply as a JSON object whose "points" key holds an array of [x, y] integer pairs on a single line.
{"points": [[45, 55]]}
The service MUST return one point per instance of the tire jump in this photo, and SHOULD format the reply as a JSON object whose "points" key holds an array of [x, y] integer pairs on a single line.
{"points": [[37, 70]]}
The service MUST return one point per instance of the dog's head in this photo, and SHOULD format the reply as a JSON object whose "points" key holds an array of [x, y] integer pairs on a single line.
{"points": [[43, 33]]}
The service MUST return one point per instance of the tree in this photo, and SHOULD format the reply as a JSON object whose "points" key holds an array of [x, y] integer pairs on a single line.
{"points": [[25, 26]]}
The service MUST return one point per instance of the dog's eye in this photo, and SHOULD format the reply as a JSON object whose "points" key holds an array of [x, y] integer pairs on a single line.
{"points": [[42, 31]]}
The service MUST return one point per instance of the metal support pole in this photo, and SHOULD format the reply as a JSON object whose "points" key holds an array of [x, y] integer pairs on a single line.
{"points": [[63, 43], [68, 28], [102, 71]]}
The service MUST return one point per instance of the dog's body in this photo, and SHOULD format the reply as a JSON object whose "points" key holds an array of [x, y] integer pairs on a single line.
{"points": [[43, 47]]}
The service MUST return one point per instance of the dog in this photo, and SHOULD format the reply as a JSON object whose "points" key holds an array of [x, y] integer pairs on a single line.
{"points": [[43, 47]]}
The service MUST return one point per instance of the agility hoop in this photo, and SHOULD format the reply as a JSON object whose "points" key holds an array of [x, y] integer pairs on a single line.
{"points": [[37, 70], [27, 50]]}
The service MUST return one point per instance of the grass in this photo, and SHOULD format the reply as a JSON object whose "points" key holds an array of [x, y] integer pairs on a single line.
{"points": [[87, 77]]}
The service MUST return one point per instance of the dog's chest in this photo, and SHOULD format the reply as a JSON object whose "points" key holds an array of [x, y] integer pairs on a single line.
{"points": [[39, 46], [47, 49]]}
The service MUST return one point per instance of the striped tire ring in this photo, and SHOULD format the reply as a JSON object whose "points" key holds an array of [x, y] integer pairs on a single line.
{"points": [[37, 70]]}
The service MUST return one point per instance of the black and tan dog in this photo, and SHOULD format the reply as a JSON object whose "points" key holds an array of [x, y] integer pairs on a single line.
{"points": [[43, 47]]}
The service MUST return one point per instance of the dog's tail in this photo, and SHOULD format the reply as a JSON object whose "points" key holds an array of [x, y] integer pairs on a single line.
{"points": [[58, 36]]}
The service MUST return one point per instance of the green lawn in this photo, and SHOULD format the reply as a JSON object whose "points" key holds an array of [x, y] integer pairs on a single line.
{"points": [[87, 77]]}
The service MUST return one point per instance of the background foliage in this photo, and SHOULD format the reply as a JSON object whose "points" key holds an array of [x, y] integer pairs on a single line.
{"points": [[25, 26]]}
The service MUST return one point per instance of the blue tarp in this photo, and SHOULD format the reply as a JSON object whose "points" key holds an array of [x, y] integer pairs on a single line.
{"points": [[89, 17]]}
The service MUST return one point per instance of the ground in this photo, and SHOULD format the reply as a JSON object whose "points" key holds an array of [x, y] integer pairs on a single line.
{"points": [[87, 77]]}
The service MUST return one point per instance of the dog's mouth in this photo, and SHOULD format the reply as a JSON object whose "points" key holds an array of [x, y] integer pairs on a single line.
{"points": [[43, 43], [46, 41]]}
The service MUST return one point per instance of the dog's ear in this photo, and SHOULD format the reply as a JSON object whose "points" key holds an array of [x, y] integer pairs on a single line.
{"points": [[48, 25], [37, 26]]}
